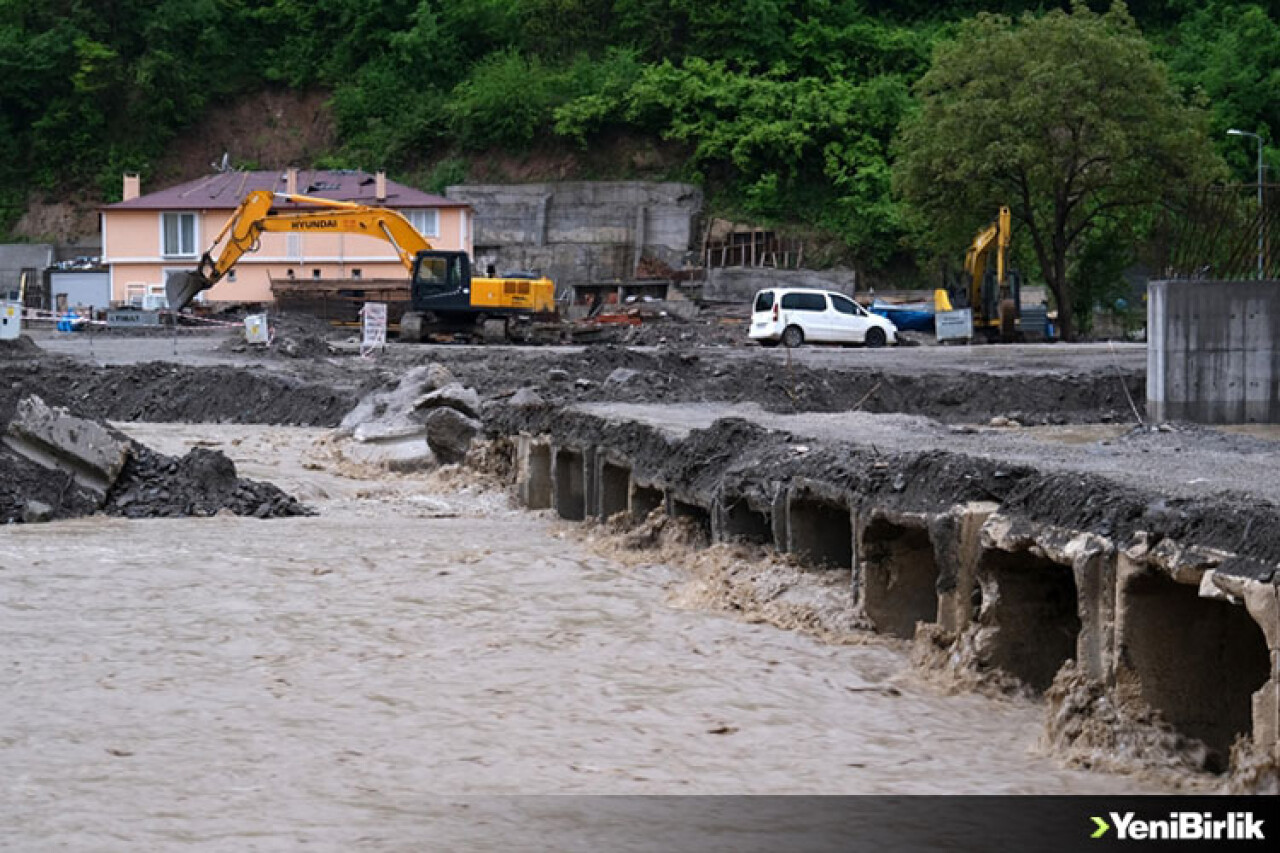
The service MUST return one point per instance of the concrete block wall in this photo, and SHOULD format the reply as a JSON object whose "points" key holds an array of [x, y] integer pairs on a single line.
{"points": [[1213, 351], [582, 231]]}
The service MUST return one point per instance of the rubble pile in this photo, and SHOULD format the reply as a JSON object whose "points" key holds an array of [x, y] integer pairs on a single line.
{"points": [[56, 465]]}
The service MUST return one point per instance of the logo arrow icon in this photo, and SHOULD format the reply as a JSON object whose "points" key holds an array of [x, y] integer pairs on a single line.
{"points": [[1102, 828]]}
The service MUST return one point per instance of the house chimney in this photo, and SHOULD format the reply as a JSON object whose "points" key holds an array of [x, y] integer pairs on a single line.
{"points": [[291, 180], [132, 186], [380, 186]]}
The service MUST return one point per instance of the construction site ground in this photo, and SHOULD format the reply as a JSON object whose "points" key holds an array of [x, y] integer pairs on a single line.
{"points": [[324, 672]]}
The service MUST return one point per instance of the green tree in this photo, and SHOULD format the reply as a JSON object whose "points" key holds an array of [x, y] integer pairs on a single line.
{"points": [[1065, 117]]}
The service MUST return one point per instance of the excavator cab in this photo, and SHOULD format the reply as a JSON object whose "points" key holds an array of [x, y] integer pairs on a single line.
{"points": [[441, 281]]}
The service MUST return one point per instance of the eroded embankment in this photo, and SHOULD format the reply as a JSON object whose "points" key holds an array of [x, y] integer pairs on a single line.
{"points": [[1151, 627], [162, 392]]}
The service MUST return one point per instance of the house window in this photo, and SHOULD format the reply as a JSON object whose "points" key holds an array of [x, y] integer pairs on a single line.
{"points": [[357, 273], [231, 275], [178, 231], [425, 222]]}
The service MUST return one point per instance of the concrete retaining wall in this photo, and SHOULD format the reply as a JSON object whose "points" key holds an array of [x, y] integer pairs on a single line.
{"points": [[739, 284], [1212, 352], [1160, 626], [581, 232]]}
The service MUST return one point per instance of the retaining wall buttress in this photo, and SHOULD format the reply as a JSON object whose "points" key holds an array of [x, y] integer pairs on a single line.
{"points": [[1213, 351]]}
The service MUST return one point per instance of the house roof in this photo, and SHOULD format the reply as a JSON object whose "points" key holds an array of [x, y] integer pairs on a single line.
{"points": [[225, 191]]}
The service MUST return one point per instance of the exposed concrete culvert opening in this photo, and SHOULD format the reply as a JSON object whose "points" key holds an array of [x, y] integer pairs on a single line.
{"points": [[537, 489], [1198, 661], [644, 500], [699, 516], [899, 578], [1036, 611], [744, 524], [821, 533], [570, 495], [615, 487]]}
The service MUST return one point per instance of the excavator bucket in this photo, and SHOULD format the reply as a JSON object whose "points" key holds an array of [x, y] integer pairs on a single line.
{"points": [[182, 287]]}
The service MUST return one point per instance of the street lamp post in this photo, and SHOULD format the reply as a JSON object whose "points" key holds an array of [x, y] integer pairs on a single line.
{"points": [[1261, 218]]}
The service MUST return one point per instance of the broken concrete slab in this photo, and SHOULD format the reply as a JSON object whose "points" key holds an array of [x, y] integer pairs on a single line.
{"points": [[93, 453], [396, 405], [454, 396]]}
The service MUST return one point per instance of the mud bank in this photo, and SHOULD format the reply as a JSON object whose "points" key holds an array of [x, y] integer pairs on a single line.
{"points": [[779, 384], [1096, 594], [166, 392]]}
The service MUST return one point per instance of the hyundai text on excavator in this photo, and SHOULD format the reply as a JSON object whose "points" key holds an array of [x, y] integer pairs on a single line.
{"points": [[443, 295], [994, 295]]}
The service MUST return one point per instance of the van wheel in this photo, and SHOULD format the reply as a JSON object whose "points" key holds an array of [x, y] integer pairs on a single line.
{"points": [[875, 337], [792, 337]]}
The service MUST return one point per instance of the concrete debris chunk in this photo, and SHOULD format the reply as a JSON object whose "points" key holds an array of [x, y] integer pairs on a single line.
{"points": [[438, 376], [396, 404], [36, 511], [621, 376], [90, 451], [449, 433], [454, 396], [526, 397]]}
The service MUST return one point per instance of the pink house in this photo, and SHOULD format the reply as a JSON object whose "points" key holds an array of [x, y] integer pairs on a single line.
{"points": [[144, 237]]}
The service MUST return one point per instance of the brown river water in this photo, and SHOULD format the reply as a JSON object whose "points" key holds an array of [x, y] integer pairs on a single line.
{"points": [[229, 683]]}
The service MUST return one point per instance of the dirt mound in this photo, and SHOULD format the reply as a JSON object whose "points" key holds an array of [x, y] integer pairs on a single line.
{"points": [[22, 347], [293, 336], [29, 491], [203, 482], [162, 392], [670, 374]]}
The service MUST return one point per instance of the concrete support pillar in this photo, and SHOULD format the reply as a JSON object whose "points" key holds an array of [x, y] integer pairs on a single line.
{"points": [[957, 548], [533, 472]]}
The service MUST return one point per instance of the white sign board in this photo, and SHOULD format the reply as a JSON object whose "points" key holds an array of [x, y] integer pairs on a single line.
{"points": [[255, 329], [954, 325], [374, 322], [10, 321]]}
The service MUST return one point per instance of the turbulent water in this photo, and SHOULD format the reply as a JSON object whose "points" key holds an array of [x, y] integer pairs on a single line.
{"points": [[228, 683]]}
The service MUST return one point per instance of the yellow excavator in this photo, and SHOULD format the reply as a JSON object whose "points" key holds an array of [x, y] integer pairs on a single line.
{"points": [[992, 294], [444, 297]]}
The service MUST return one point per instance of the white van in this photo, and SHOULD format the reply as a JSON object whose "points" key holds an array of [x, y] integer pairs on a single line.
{"points": [[792, 316]]}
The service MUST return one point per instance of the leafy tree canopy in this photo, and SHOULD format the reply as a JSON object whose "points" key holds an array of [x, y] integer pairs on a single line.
{"points": [[1065, 117]]}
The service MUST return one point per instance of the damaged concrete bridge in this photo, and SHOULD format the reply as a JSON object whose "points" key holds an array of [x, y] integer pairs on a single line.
{"points": [[1102, 592]]}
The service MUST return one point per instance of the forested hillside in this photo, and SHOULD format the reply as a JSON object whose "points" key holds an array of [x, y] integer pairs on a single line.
{"points": [[786, 110]]}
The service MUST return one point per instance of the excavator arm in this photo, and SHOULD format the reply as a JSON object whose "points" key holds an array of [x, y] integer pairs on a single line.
{"points": [[254, 216], [994, 238]]}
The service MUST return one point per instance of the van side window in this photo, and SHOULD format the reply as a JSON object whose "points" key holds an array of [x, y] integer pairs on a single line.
{"points": [[764, 300], [844, 306], [804, 302]]}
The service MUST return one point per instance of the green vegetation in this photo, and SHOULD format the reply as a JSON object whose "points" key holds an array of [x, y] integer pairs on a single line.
{"points": [[1066, 118], [791, 112]]}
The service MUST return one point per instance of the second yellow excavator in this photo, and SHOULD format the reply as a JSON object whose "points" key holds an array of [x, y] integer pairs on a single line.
{"points": [[992, 294], [444, 297]]}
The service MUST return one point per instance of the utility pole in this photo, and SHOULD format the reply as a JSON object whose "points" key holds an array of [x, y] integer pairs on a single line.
{"points": [[1261, 218]]}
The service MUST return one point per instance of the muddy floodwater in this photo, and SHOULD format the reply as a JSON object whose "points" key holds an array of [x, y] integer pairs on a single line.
{"points": [[229, 683]]}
